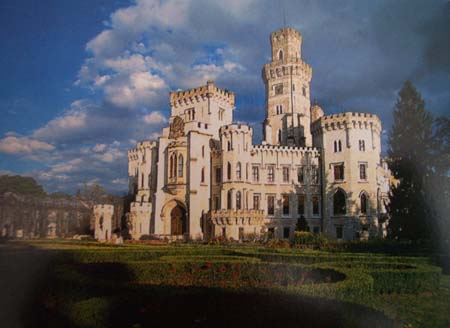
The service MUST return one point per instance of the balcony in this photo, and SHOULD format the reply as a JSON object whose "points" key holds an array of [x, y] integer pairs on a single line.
{"points": [[237, 217]]}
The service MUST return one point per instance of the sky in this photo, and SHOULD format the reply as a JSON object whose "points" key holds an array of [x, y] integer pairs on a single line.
{"points": [[82, 81]]}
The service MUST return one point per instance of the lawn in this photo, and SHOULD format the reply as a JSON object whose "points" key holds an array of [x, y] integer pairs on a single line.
{"points": [[88, 284]]}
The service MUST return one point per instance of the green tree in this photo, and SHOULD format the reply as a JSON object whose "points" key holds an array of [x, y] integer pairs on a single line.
{"points": [[302, 224], [418, 158], [21, 185]]}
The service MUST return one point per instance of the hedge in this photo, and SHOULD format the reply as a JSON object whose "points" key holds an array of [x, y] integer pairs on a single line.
{"points": [[397, 277]]}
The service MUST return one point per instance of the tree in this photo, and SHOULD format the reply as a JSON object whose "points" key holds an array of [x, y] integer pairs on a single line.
{"points": [[302, 224], [21, 185], [418, 158]]}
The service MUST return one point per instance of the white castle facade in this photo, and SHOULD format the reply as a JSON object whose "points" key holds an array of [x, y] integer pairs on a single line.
{"points": [[204, 177]]}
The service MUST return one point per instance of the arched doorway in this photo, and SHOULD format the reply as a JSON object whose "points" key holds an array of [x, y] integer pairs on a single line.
{"points": [[178, 221]]}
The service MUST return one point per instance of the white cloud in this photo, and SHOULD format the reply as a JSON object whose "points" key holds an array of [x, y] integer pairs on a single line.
{"points": [[155, 118], [23, 145], [99, 148]]}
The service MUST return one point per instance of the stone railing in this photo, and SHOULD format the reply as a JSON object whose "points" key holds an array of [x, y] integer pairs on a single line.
{"points": [[237, 217]]}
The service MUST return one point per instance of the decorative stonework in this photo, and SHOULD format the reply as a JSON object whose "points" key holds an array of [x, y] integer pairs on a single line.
{"points": [[176, 128]]}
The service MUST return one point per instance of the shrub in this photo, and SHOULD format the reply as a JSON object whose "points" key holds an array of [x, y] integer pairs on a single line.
{"points": [[278, 243]]}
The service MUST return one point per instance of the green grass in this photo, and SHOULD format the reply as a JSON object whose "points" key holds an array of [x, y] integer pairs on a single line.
{"points": [[87, 278]]}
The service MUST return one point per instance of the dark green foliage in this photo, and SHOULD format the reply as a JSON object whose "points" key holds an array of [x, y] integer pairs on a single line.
{"points": [[419, 159], [302, 224], [21, 185]]}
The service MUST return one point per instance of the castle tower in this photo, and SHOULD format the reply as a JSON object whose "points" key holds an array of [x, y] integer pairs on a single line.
{"points": [[287, 79]]}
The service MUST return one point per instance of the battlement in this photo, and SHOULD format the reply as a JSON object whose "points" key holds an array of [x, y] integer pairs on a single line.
{"points": [[289, 149], [235, 127], [185, 97], [287, 67], [133, 154], [347, 120], [104, 208], [284, 33]]}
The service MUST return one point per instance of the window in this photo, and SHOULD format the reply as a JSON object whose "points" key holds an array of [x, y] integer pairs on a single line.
{"points": [[285, 174], [286, 232], [238, 171], [293, 87], [218, 175], [221, 111], [316, 205], [203, 175], [339, 232], [362, 145], [339, 172], [362, 172], [364, 203], [279, 136], [255, 173], [279, 89], [337, 146], [203, 151], [271, 174], [280, 55], [229, 195], [316, 230], [180, 165], [241, 233], [304, 91], [339, 203], [229, 145], [301, 204], [142, 180], [314, 175], [228, 171], [279, 109], [238, 200], [285, 204], [301, 174], [271, 205], [256, 202], [271, 233], [173, 166], [224, 232], [216, 202]]}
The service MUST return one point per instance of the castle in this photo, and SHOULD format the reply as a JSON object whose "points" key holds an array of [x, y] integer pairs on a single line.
{"points": [[204, 177]]}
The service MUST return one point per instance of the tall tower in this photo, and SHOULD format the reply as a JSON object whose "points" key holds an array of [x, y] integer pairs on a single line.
{"points": [[287, 78]]}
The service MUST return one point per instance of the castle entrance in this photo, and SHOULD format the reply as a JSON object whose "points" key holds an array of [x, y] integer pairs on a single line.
{"points": [[178, 221]]}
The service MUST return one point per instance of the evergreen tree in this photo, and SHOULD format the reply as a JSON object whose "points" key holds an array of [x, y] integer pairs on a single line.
{"points": [[410, 142], [302, 224]]}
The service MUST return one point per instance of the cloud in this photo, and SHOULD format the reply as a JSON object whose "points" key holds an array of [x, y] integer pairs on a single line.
{"points": [[23, 146], [360, 52], [155, 118]]}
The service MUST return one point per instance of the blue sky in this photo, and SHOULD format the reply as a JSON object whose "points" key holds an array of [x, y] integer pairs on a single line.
{"points": [[83, 80]]}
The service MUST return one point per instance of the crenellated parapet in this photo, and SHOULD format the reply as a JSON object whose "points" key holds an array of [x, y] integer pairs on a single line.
{"points": [[286, 68], [347, 120], [200, 94], [235, 128], [292, 150], [103, 208]]}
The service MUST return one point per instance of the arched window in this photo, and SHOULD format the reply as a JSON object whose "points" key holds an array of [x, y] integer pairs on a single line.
{"points": [[203, 175], [339, 203], [180, 165], [335, 146], [340, 146], [280, 55], [229, 145], [229, 195], [238, 200], [170, 166], [279, 136], [142, 180], [363, 202], [203, 151], [238, 171], [229, 171]]}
